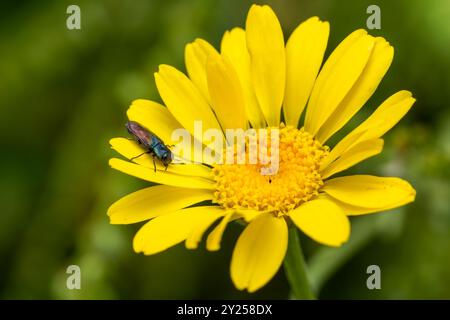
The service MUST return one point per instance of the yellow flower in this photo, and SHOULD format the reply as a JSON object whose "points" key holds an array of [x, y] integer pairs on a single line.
{"points": [[252, 81]]}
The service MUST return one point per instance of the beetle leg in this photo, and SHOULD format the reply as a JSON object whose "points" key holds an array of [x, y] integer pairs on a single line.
{"points": [[154, 164], [139, 155]]}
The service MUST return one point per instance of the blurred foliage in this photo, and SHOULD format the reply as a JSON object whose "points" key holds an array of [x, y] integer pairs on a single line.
{"points": [[64, 93]]}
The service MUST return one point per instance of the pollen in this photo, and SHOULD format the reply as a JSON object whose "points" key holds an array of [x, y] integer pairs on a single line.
{"points": [[296, 180]]}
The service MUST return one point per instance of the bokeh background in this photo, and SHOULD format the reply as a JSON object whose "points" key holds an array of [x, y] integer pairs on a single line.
{"points": [[64, 94]]}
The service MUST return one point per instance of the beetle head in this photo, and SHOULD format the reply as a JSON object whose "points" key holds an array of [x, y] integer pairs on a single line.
{"points": [[166, 158]]}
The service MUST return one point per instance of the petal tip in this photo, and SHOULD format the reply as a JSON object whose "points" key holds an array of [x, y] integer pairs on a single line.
{"points": [[111, 142], [190, 245], [212, 247], [112, 161], [163, 68]]}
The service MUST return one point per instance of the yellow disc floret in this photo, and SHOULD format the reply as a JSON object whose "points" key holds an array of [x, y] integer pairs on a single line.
{"points": [[243, 186]]}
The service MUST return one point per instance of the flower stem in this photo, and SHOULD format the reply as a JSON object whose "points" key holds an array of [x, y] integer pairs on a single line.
{"points": [[295, 268]]}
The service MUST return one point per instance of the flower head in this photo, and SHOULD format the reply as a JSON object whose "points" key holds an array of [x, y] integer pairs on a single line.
{"points": [[254, 82]]}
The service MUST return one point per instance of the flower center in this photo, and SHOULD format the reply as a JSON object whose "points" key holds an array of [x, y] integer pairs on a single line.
{"points": [[243, 186]]}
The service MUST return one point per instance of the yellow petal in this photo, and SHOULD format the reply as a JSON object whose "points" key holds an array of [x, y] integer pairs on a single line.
{"points": [[304, 53], [338, 75], [370, 191], [196, 234], [131, 149], [265, 44], [362, 90], [184, 100], [323, 221], [339, 149], [196, 54], [226, 93], [154, 201], [356, 211], [249, 214], [161, 177], [168, 230], [215, 237], [234, 47], [358, 153], [387, 115], [259, 252]]}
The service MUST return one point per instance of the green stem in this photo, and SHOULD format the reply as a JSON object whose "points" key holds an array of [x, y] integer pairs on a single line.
{"points": [[295, 268]]}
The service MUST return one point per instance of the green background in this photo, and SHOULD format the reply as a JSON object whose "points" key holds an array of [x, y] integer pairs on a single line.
{"points": [[64, 94]]}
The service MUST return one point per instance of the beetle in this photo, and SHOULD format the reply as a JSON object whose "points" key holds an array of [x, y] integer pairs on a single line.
{"points": [[151, 143]]}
